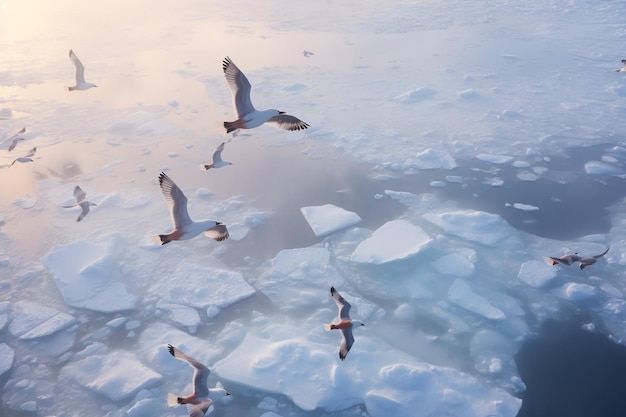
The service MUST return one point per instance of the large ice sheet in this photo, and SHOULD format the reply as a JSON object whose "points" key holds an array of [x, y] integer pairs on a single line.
{"points": [[462, 294], [393, 241], [6, 358], [476, 226], [85, 273], [329, 218], [203, 287], [116, 374], [30, 320]]}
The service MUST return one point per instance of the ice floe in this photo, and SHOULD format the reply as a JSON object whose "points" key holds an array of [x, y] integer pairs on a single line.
{"points": [[478, 226], [329, 218], [393, 241]]}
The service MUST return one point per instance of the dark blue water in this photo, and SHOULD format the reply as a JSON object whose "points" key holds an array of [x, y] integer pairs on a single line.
{"points": [[570, 372]]}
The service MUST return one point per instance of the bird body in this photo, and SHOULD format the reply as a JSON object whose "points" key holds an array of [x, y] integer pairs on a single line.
{"points": [[585, 262], [248, 116], [345, 324], [26, 158], [82, 202], [217, 159], [11, 142], [81, 84], [568, 259], [184, 227], [201, 398]]}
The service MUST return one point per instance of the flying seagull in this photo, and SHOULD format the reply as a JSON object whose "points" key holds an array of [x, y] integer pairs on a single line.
{"points": [[345, 323], [26, 158], [12, 141], [217, 159], [568, 259], [248, 116], [80, 201], [81, 84], [184, 227], [623, 69], [199, 401], [585, 262]]}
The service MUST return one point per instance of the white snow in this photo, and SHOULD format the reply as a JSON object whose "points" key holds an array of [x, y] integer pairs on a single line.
{"points": [[393, 241], [477, 226], [30, 320], [494, 159], [85, 274], [536, 274], [525, 207], [415, 95], [329, 218]]}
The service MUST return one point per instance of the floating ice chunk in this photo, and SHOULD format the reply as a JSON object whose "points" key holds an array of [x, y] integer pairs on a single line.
{"points": [[602, 168], [455, 264], [454, 179], [172, 154], [525, 207], [521, 164], [494, 181], [437, 184], [424, 390], [115, 374], [526, 176], [202, 287], [468, 94], [204, 192], [26, 202], [299, 277], [477, 226], [180, 314], [145, 407], [6, 358], [418, 94], [393, 241], [461, 294], [494, 159], [328, 218], [536, 274], [30, 320], [172, 103], [83, 271], [575, 291], [431, 159]]}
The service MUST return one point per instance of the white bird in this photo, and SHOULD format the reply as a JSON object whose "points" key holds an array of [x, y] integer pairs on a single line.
{"points": [[217, 159], [623, 69], [199, 401], [26, 158], [81, 84], [12, 141], [567, 259], [248, 116], [345, 323], [585, 262], [184, 227], [80, 201]]}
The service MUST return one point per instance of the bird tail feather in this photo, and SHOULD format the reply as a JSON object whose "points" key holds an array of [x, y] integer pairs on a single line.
{"points": [[164, 239], [229, 127], [172, 400]]}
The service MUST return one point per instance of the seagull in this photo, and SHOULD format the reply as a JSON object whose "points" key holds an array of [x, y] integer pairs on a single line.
{"points": [[623, 69], [81, 84], [248, 116], [345, 323], [80, 201], [13, 139], [199, 401], [568, 259], [26, 158], [217, 159], [585, 262], [184, 227], [307, 53]]}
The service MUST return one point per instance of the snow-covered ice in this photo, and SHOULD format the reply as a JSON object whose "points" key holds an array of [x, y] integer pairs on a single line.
{"points": [[393, 241], [329, 218], [477, 226]]}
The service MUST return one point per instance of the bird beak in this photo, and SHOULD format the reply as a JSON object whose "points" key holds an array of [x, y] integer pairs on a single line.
{"points": [[281, 112], [362, 324], [227, 393], [218, 223]]}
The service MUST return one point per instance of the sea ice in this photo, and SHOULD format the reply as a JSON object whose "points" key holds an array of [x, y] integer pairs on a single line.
{"points": [[525, 207], [415, 95], [456, 264], [494, 159], [6, 358], [393, 241], [478, 226], [83, 271], [116, 374], [536, 274], [26, 202], [329, 218], [461, 294], [431, 159], [204, 287], [576, 291], [30, 320], [602, 168]]}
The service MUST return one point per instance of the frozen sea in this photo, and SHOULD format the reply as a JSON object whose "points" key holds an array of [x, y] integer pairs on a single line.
{"points": [[453, 145]]}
